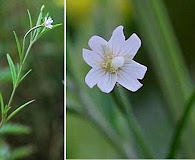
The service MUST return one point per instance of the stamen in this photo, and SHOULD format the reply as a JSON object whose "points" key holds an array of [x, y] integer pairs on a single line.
{"points": [[117, 62]]}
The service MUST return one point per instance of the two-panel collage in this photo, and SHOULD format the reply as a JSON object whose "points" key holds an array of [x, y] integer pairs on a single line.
{"points": [[130, 79], [97, 79]]}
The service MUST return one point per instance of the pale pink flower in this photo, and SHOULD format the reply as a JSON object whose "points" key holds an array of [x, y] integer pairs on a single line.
{"points": [[48, 22], [112, 62]]}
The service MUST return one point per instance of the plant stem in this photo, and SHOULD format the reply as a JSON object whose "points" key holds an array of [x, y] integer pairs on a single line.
{"points": [[17, 82], [102, 124], [124, 107], [18, 76], [180, 127]]}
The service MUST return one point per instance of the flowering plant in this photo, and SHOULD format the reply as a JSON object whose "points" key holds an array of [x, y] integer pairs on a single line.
{"points": [[156, 122], [43, 25]]}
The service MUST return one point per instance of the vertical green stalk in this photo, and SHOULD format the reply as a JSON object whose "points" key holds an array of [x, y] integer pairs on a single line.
{"points": [[108, 131], [93, 114], [124, 106], [180, 127], [158, 37]]}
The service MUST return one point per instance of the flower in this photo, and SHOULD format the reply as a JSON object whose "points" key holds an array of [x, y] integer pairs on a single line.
{"points": [[112, 62], [48, 22]]}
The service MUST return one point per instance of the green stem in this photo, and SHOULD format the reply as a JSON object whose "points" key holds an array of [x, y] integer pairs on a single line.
{"points": [[107, 129], [124, 107], [18, 76], [2, 121], [31, 41], [17, 82], [180, 127], [32, 30], [91, 112]]}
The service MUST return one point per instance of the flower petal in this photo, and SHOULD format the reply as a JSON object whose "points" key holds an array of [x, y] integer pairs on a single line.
{"points": [[128, 81], [94, 76], [97, 44], [91, 58], [107, 82], [137, 70], [131, 46], [117, 40]]}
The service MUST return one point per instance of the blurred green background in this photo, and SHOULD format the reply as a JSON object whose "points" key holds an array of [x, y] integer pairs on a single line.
{"points": [[45, 116], [166, 29]]}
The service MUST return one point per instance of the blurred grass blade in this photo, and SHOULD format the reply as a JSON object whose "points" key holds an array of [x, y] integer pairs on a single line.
{"points": [[18, 46], [21, 152], [12, 69], [18, 109], [2, 103], [180, 127], [167, 60], [14, 129]]}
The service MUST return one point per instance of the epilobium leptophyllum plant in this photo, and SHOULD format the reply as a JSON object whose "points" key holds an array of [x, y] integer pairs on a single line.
{"points": [[112, 62], [43, 24]]}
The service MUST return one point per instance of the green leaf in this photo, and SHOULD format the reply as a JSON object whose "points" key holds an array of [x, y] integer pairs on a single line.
{"points": [[18, 46], [17, 68], [2, 103], [25, 75], [6, 109], [12, 69], [18, 109], [40, 17], [21, 152], [30, 20], [14, 129]]}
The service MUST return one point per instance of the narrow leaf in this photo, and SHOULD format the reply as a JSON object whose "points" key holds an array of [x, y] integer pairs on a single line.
{"points": [[21, 152], [18, 109], [40, 17], [2, 103], [39, 30], [12, 69], [25, 75], [30, 20], [18, 46], [14, 129], [6, 109]]}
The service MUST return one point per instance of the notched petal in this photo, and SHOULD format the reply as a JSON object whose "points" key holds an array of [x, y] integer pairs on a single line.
{"points": [[97, 43], [94, 76], [135, 69], [128, 81], [131, 46], [117, 40], [91, 58]]}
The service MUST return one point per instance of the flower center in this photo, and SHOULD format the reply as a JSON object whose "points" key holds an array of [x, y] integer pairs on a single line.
{"points": [[111, 63]]}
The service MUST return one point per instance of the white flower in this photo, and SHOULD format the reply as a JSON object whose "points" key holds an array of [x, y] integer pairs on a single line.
{"points": [[48, 22], [112, 62]]}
